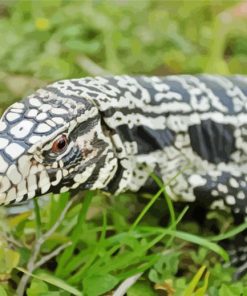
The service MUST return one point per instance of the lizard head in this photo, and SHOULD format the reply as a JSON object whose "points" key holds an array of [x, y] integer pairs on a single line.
{"points": [[53, 141]]}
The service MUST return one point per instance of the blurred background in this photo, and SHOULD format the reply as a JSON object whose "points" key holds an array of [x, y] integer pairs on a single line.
{"points": [[43, 41]]}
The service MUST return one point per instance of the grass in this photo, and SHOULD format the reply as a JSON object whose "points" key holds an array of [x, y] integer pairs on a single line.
{"points": [[96, 244], [95, 247]]}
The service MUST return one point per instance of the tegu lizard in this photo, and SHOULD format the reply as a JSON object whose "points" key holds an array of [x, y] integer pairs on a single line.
{"points": [[110, 132]]}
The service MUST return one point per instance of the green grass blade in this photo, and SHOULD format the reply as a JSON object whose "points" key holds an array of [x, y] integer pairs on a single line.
{"points": [[53, 281], [145, 210], [167, 198], [94, 253], [68, 253], [37, 217], [202, 291], [202, 242], [236, 230], [194, 282]]}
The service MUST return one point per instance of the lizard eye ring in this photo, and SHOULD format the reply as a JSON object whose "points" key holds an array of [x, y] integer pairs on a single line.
{"points": [[60, 144]]}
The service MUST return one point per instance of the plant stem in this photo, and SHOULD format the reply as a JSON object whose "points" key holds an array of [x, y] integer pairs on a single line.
{"points": [[37, 217]]}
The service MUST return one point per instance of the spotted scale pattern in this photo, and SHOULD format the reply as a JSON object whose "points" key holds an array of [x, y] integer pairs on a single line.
{"points": [[121, 128], [28, 130], [145, 123]]}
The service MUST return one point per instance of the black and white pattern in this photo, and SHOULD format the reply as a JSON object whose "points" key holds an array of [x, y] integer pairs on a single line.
{"points": [[120, 128]]}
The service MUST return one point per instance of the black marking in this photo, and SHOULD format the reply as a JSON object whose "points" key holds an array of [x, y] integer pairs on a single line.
{"points": [[212, 141], [112, 186], [147, 139]]}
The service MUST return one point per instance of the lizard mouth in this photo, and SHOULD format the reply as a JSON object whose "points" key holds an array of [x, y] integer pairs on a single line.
{"points": [[17, 187]]}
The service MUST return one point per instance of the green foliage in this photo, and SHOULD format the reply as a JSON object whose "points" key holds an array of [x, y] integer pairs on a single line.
{"points": [[38, 288], [102, 241], [9, 259], [39, 284], [2, 291], [99, 284], [232, 290], [164, 267], [141, 289]]}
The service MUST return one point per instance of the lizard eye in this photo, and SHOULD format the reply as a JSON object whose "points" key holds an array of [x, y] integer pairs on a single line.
{"points": [[60, 144]]}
